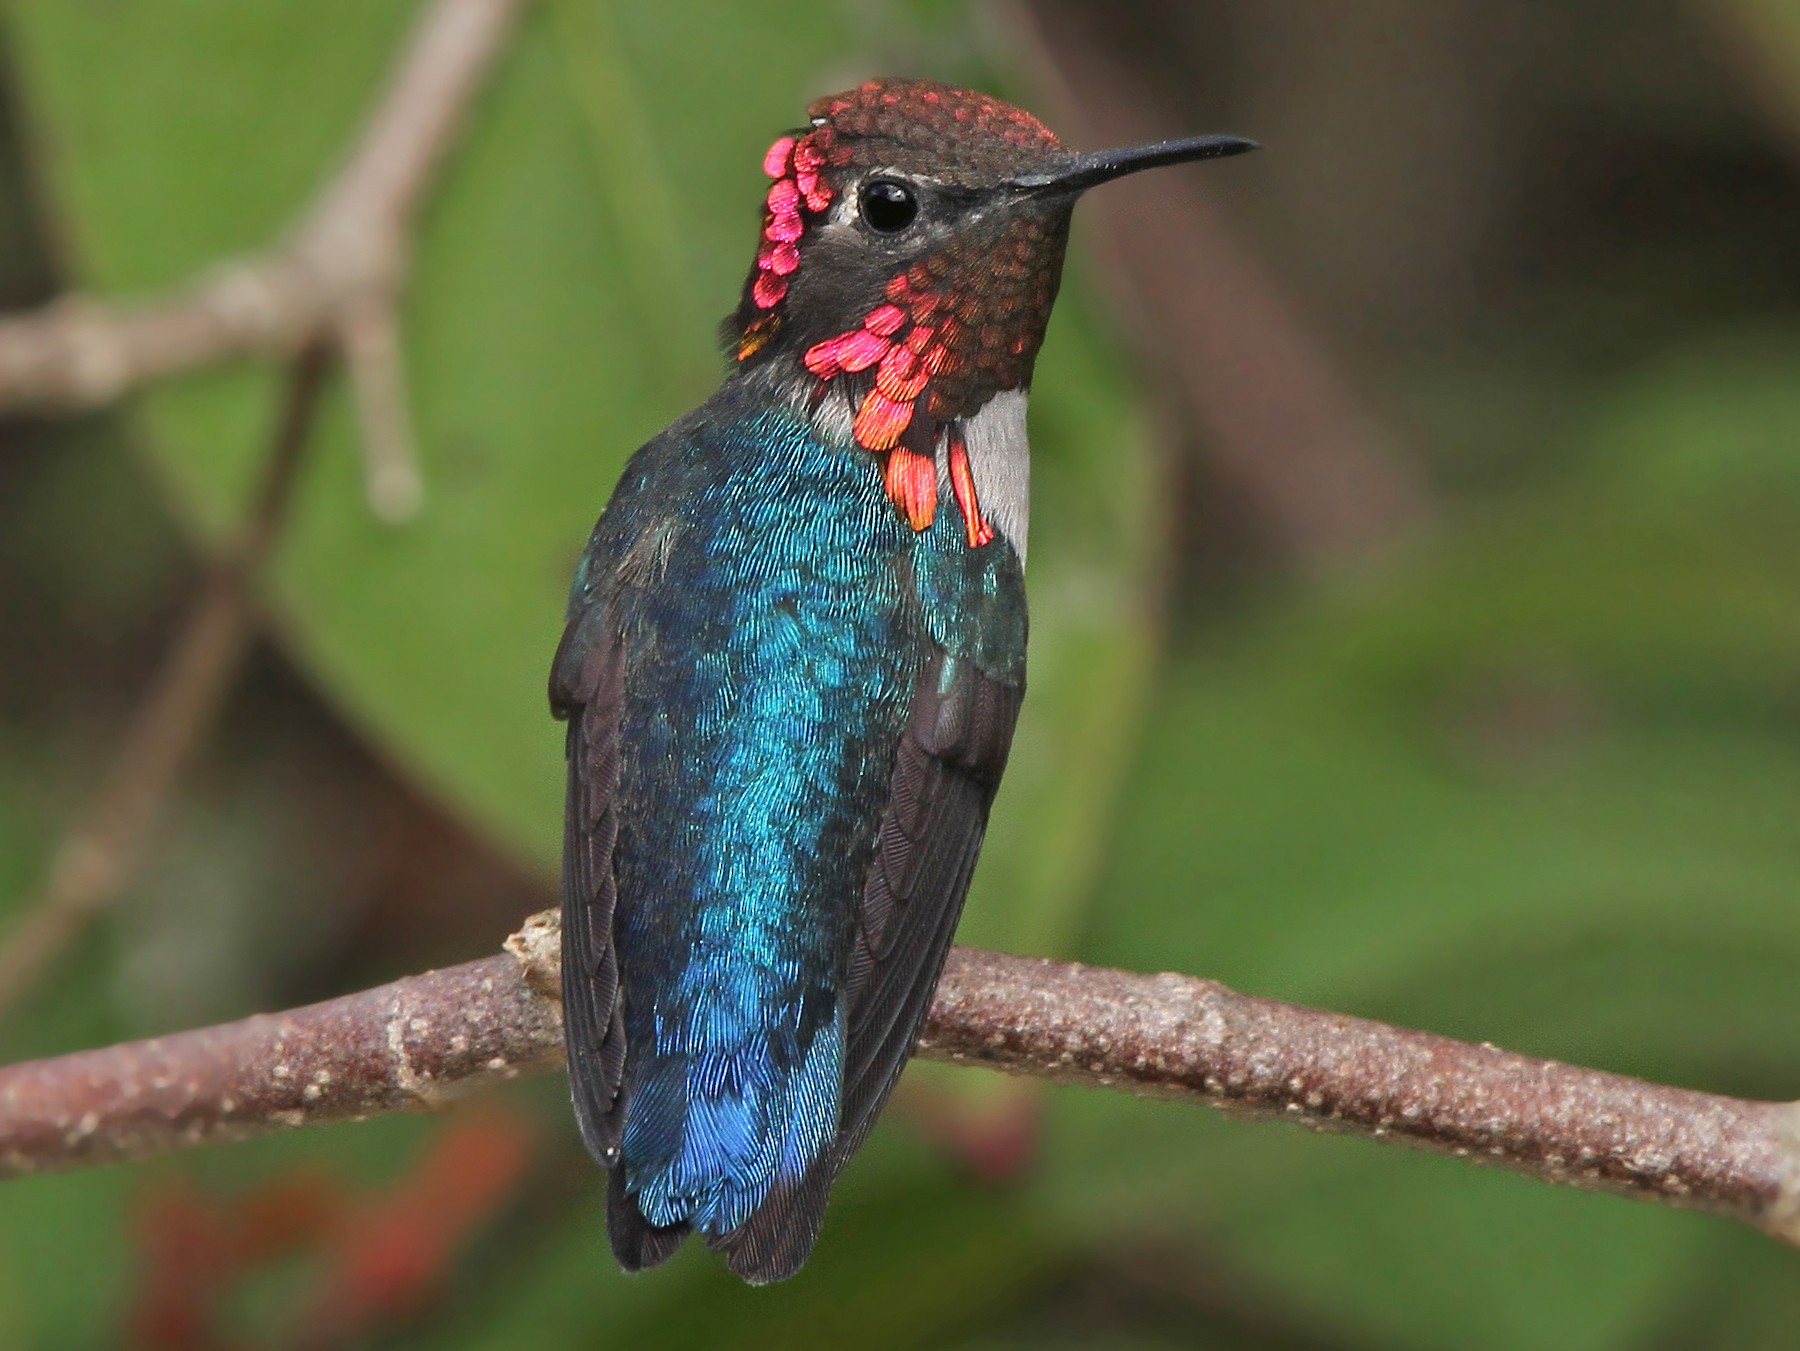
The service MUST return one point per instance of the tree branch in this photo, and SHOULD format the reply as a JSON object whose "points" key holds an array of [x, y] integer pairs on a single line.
{"points": [[422, 1041], [1760, 39], [336, 279], [93, 860], [1282, 421]]}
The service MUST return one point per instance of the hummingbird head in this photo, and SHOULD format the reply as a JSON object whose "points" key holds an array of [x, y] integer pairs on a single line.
{"points": [[911, 250]]}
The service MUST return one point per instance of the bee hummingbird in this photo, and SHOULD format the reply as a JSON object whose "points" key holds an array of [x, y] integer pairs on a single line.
{"points": [[794, 656]]}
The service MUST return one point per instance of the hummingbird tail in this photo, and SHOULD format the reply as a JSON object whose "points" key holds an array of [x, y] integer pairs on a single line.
{"points": [[775, 1242], [636, 1243], [713, 1136]]}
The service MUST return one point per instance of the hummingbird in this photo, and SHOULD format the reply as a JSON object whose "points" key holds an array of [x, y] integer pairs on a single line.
{"points": [[793, 660]]}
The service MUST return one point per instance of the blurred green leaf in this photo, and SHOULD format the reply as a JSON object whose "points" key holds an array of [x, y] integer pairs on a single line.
{"points": [[910, 1253], [1414, 1252], [596, 217], [1532, 782], [1534, 785], [62, 1248], [64, 1258], [594, 220]]}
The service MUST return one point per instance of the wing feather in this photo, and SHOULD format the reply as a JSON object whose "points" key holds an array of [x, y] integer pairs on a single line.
{"points": [[587, 685], [946, 771]]}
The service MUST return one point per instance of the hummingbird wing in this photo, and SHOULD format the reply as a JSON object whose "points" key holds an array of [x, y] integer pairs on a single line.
{"points": [[587, 688], [945, 775], [946, 771], [788, 716]]}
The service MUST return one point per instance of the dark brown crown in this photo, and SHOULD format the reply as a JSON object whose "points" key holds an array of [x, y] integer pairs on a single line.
{"points": [[911, 249], [926, 333]]}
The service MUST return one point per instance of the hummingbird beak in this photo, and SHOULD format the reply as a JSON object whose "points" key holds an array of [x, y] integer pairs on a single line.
{"points": [[1077, 173]]}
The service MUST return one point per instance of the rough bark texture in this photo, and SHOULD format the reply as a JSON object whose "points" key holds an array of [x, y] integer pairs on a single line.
{"points": [[1182, 1037], [421, 1042], [414, 1045]]}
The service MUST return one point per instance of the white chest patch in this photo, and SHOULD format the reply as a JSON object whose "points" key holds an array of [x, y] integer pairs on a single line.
{"points": [[1000, 460], [999, 455]]}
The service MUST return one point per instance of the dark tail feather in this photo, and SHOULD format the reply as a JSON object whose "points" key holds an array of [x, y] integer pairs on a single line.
{"points": [[636, 1243], [775, 1242], [944, 781]]}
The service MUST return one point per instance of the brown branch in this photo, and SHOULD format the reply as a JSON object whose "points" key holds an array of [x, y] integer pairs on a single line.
{"points": [[417, 1043], [334, 284], [1282, 421], [93, 860], [336, 278], [1760, 39]]}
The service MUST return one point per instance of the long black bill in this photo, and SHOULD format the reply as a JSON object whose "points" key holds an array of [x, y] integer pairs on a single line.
{"points": [[1077, 173]]}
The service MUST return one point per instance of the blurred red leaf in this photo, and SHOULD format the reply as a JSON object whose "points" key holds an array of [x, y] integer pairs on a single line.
{"points": [[381, 1255], [393, 1253]]}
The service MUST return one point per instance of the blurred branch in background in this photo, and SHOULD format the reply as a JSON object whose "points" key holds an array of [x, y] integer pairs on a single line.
{"points": [[92, 862], [1532, 782], [1762, 39], [1313, 463], [332, 288], [336, 279], [422, 1041]]}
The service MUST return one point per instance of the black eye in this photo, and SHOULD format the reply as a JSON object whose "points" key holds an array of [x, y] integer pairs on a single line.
{"points": [[888, 206]]}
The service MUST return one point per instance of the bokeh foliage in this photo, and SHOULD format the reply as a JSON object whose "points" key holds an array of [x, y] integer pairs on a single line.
{"points": [[1532, 778]]}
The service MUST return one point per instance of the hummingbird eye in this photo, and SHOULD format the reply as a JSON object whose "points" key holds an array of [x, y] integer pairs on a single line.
{"points": [[887, 205]]}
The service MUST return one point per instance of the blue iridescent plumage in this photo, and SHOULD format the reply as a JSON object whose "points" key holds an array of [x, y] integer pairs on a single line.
{"points": [[794, 658], [772, 618], [770, 684]]}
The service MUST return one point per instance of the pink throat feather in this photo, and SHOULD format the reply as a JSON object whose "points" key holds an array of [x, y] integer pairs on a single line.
{"points": [[894, 339], [952, 329]]}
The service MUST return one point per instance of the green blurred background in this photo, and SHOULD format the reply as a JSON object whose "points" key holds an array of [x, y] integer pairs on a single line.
{"points": [[1416, 633]]}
